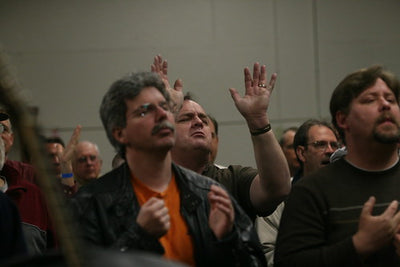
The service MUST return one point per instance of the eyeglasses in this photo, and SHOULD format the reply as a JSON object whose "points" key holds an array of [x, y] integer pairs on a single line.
{"points": [[84, 159], [323, 145], [147, 108]]}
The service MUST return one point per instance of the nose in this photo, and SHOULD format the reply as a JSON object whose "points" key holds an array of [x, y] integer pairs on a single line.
{"points": [[385, 104], [161, 113], [329, 149], [197, 122]]}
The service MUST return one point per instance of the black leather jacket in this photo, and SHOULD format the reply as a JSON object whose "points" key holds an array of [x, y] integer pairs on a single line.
{"points": [[106, 212]]}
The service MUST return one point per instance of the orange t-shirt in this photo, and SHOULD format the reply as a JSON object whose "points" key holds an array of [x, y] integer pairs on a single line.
{"points": [[177, 242]]}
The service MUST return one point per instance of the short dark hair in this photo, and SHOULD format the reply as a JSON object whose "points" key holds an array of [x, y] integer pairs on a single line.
{"points": [[356, 83], [54, 139], [301, 136], [292, 128], [113, 106], [214, 122]]}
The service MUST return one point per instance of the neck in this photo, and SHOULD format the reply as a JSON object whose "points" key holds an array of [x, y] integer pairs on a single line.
{"points": [[192, 160], [152, 169], [372, 157]]}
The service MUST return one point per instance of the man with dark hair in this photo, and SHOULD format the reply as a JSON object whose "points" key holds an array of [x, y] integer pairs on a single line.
{"points": [[151, 204], [214, 138], [346, 214], [61, 158], [314, 143], [54, 147], [286, 143], [258, 191]]}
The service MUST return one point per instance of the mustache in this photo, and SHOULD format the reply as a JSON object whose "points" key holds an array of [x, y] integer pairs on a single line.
{"points": [[162, 125], [387, 117]]}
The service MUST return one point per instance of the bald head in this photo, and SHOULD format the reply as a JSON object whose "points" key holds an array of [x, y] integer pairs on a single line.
{"points": [[86, 162]]}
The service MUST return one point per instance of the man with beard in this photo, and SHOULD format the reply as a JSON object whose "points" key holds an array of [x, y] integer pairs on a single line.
{"points": [[346, 213], [151, 204]]}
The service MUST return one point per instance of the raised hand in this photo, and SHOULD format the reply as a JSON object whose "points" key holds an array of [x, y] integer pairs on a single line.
{"points": [[154, 218], [66, 155], [375, 232], [254, 105], [222, 214], [160, 66]]}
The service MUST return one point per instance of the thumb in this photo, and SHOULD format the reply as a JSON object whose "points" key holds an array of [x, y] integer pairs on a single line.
{"points": [[178, 85], [234, 94]]}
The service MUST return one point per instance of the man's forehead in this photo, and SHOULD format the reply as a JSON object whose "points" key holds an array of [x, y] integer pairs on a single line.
{"points": [[379, 85], [190, 106], [146, 94], [316, 132]]}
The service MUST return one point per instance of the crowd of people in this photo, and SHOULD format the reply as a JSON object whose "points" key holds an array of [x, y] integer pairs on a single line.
{"points": [[324, 194]]}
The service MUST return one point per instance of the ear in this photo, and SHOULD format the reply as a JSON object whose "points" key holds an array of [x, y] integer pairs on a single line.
{"points": [[12, 138], [341, 120], [119, 135], [300, 153]]}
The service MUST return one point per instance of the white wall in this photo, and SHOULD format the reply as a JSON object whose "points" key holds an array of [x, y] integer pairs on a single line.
{"points": [[67, 53]]}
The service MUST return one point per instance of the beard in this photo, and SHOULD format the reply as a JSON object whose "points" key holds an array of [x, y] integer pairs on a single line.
{"points": [[386, 134]]}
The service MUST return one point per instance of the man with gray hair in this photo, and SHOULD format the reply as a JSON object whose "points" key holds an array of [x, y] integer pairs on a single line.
{"points": [[86, 162], [151, 204]]}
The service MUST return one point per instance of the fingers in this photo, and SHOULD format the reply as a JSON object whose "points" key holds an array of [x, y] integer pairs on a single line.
{"points": [[272, 81], [220, 199], [256, 74], [178, 85], [391, 209], [263, 75], [234, 94], [368, 206], [76, 134], [220, 196], [248, 81], [164, 67]]}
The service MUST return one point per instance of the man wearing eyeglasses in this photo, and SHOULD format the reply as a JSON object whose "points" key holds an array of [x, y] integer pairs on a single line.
{"points": [[151, 204], [313, 143], [86, 163], [346, 214]]}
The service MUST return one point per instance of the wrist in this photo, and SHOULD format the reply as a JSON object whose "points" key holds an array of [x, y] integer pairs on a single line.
{"points": [[67, 175], [261, 130]]}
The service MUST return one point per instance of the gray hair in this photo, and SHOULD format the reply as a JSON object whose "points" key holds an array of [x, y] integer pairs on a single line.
{"points": [[113, 107]]}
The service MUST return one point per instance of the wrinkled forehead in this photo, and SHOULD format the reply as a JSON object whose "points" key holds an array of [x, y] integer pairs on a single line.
{"points": [[147, 94], [189, 106]]}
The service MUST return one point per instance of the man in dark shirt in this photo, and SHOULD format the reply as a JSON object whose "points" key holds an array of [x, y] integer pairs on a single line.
{"points": [[346, 214]]}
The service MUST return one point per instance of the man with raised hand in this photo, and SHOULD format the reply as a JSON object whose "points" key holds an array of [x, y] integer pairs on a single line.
{"points": [[151, 204], [257, 191]]}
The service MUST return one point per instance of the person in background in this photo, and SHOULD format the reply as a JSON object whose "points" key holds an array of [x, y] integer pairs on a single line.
{"points": [[286, 143], [61, 159], [15, 180], [86, 163], [346, 214], [315, 141]]}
